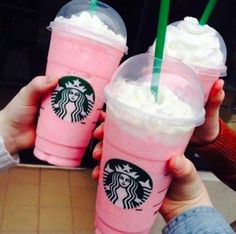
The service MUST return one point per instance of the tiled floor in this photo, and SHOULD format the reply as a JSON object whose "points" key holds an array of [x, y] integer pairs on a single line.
{"points": [[34, 200], [52, 201]]}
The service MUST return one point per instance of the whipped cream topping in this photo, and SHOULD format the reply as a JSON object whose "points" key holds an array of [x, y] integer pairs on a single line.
{"points": [[141, 109], [92, 23], [194, 44]]}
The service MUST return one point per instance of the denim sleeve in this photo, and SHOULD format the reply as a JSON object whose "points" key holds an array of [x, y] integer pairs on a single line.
{"points": [[200, 220]]}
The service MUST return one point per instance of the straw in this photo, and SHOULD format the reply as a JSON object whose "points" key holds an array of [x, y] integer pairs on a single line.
{"points": [[207, 12], [160, 42], [93, 6]]}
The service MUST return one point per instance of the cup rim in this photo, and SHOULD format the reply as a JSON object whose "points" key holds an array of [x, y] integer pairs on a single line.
{"points": [[197, 121], [210, 71]]}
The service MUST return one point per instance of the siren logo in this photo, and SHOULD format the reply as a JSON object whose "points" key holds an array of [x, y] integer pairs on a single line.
{"points": [[73, 99], [126, 185]]}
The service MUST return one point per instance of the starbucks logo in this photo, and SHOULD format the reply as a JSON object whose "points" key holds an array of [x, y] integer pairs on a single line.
{"points": [[73, 99], [126, 185]]}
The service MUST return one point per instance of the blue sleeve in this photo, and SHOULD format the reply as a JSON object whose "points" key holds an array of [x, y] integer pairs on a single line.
{"points": [[200, 220]]}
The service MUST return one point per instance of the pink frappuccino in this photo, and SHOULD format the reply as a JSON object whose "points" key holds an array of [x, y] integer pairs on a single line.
{"points": [[85, 50], [140, 136]]}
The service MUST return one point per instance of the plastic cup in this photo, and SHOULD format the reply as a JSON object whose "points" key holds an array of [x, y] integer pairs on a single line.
{"points": [[208, 75], [85, 55], [137, 144]]}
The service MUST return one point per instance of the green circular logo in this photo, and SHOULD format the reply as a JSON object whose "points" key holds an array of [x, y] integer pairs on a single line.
{"points": [[73, 99], [126, 185]]}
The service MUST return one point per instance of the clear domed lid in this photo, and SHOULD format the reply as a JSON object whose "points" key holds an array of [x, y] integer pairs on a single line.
{"points": [[175, 76], [195, 29], [104, 24]]}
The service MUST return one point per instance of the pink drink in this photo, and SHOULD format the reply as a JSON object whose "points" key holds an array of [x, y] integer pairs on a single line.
{"points": [[130, 150], [68, 115], [137, 145]]}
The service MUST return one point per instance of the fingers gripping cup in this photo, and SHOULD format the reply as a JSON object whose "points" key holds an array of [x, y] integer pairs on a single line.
{"points": [[140, 136], [85, 49]]}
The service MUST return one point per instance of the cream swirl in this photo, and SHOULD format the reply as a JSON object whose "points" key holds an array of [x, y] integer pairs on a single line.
{"points": [[195, 44], [91, 23]]}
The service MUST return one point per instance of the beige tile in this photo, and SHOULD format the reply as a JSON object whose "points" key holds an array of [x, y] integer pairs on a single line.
{"points": [[54, 219], [83, 222], [57, 232], [82, 178], [3, 192], [55, 196], [21, 175], [83, 198], [4, 177], [54, 177], [1, 216], [17, 232], [20, 219], [19, 194], [85, 232]]}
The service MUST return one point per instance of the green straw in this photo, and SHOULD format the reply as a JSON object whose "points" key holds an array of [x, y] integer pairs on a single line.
{"points": [[93, 6], [160, 42], [207, 12]]}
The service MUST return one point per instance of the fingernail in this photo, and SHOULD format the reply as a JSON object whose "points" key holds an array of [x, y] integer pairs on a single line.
{"points": [[96, 154], [178, 162], [96, 172]]}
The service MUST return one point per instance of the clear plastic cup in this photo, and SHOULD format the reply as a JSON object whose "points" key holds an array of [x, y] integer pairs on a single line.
{"points": [[85, 50], [140, 139], [207, 74]]}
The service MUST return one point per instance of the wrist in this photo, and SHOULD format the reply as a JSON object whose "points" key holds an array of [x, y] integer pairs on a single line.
{"points": [[205, 137], [9, 140], [181, 210], [179, 207], [208, 139], [211, 136]]}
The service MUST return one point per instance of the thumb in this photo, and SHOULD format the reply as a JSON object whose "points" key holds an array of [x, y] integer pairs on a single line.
{"points": [[39, 86], [182, 169], [186, 183]]}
